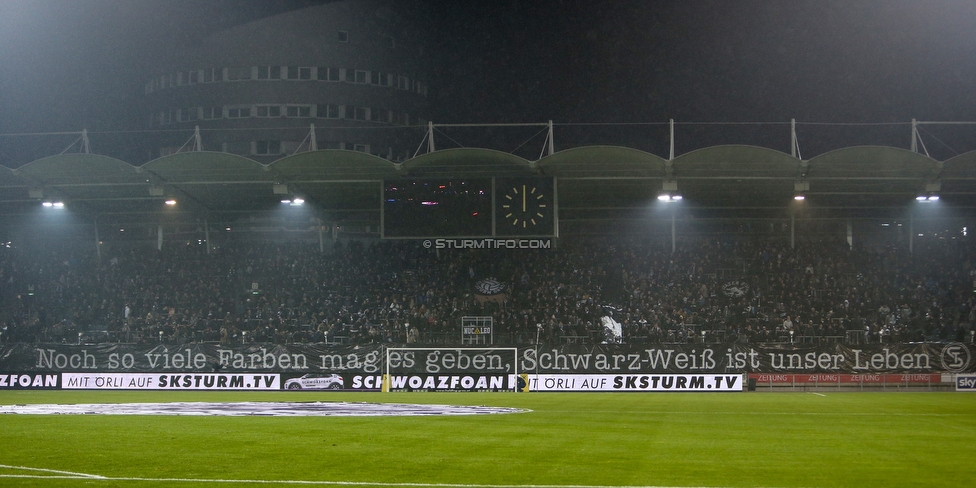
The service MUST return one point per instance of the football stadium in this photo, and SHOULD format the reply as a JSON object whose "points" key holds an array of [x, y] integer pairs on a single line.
{"points": [[478, 320], [292, 277]]}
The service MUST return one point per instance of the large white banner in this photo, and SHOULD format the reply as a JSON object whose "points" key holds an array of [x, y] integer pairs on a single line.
{"points": [[638, 382], [155, 381]]}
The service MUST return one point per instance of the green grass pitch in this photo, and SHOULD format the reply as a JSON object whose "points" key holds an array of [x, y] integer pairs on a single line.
{"points": [[616, 439]]}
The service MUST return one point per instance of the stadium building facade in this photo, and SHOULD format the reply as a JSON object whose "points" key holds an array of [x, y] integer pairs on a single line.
{"points": [[334, 76]]}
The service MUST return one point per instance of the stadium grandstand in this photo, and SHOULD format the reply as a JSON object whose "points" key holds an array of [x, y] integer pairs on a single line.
{"points": [[205, 246]]}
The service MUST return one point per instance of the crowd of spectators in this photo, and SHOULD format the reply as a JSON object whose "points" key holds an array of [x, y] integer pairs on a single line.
{"points": [[356, 292]]}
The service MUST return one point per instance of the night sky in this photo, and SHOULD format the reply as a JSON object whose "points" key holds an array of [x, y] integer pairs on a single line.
{"points": [[65, 65]]}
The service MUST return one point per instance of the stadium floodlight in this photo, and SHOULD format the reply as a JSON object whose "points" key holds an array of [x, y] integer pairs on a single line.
{"points": [[669, 198], [669, 192], [931, 193], [58, 205], [170, 202], [800, 189]]}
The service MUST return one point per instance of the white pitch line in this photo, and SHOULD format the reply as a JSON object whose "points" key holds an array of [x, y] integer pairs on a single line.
{"points": [[818, 394], [88, 478], [71, 474]]}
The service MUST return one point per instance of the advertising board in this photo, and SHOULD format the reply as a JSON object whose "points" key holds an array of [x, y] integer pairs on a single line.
{"points": [[641, 382], [966, 382], [152, 381]]}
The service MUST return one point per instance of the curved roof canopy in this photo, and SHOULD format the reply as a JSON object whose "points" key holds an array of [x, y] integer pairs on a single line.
{"points": [[593, 182]]}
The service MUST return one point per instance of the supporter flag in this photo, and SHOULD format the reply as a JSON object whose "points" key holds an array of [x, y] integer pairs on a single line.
{"points": [[613, 331], [735, 289], [490, 290]]}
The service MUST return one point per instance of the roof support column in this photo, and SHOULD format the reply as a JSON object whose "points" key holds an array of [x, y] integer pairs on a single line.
{"points": [[914, 146], [552, 141], [794, 143], [917, 138], [83, 139], [671, 153], [548, 145]]}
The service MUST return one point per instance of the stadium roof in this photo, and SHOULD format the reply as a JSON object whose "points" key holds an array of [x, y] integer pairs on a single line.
{"points": [[593, 182]]}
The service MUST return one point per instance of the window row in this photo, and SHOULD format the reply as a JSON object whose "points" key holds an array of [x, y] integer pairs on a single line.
{"points": [[319, 111], [284, 148], [295, 73]]}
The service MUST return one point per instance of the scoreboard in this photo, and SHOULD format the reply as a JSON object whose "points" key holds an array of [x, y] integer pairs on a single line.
{"points": [[473, 207]]}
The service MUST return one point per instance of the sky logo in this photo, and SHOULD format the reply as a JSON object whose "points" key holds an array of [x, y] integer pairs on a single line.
{"points": [[966, 383]]}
